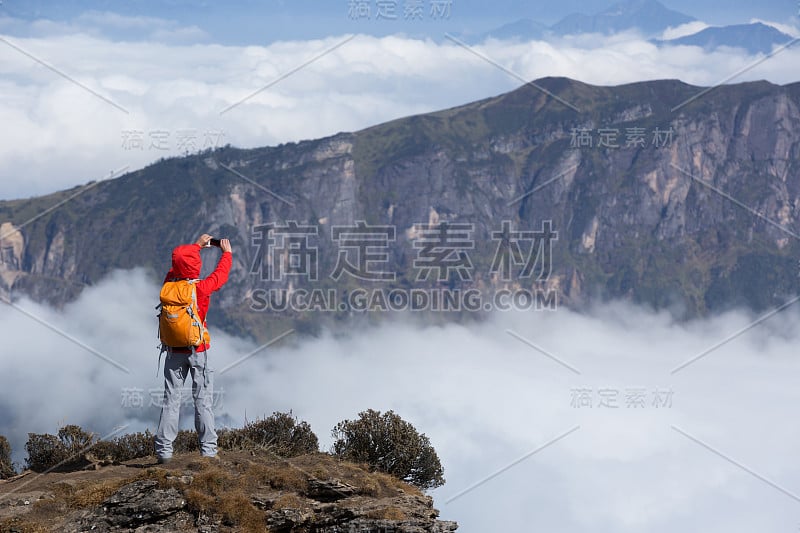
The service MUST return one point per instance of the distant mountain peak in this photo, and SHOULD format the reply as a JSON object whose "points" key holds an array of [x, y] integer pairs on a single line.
{"points": [[755, 38], [648, 16]]}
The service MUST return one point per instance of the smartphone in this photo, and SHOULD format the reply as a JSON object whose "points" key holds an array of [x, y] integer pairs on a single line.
{"points": [[214, 242]]}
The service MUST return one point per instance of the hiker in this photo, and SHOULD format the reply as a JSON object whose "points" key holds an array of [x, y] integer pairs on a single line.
{"points": [[183, 360]]}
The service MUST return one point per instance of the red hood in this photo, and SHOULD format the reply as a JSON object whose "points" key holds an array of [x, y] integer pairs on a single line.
{"points": [[186, 261]]}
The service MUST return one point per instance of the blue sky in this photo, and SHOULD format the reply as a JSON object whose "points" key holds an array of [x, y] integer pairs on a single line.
{"points": [[255, 22]]}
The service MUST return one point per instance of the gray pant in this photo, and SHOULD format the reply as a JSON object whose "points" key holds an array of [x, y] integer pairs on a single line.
{"points": [[176, 367]]}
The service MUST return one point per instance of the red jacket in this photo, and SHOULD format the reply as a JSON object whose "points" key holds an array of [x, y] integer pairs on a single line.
{"points": [[186, 264]]}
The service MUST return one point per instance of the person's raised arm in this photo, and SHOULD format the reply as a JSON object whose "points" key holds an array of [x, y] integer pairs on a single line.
{"points": [[219, 277]]}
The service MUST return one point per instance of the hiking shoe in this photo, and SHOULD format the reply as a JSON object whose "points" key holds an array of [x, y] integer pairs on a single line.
{"points": [[164, 460]]}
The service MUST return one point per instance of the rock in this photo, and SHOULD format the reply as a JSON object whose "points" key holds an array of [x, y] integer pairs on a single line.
{"points": [[185, 479], [139, 506], [288, 519], [141, 502], [329, 490], [263, 501], [402, 514], [325, 506]]}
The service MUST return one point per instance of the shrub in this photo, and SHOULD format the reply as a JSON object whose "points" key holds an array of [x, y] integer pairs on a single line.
{"points": [[133, 446], [389, 444], [281, 433], [186, 441], [46, 451], [73, 443], [125, 447], [6, 468], [75, 439]]}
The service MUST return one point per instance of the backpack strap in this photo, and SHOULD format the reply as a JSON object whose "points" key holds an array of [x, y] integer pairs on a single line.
{"points": [[191, 314], [158, 336], [160, 353]]}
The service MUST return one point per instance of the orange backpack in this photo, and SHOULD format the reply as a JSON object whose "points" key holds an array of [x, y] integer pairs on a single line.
{"points": [[179, 321]]}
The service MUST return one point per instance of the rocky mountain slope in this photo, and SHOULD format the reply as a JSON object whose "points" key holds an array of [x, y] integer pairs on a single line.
{"points": [[659, 192], [243, 491]]}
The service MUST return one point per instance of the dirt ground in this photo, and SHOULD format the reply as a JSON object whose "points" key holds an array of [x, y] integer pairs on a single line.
{"points": [[19, 492]]}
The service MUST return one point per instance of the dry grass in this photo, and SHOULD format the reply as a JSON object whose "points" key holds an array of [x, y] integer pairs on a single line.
{"points": [[199, 502], [214, 481], [277, 476], [22, 526], [237, 510], [387, 513], [219, 492], [157, 474], [391, 483], [289, 501], [375, 484], [46, 514], [223, 490], [89, 494]]}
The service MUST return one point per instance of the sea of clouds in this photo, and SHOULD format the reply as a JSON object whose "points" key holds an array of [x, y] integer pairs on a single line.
{"points": [[712, 446]]}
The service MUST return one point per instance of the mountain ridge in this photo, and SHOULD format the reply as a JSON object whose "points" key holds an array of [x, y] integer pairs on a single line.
{"points": [[633, 222]]}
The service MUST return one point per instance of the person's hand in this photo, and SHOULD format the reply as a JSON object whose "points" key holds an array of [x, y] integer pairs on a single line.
{"points": [[203, 240], [225, 244]]}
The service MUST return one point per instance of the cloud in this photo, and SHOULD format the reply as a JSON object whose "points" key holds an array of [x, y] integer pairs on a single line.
{"points": [[123, 22], [484, 398], [107, 25], [788, 29], [174, 93], [683, 30]]}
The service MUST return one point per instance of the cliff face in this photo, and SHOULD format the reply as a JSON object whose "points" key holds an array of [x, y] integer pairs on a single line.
{"points": [[696, 207], [242, 491]]}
